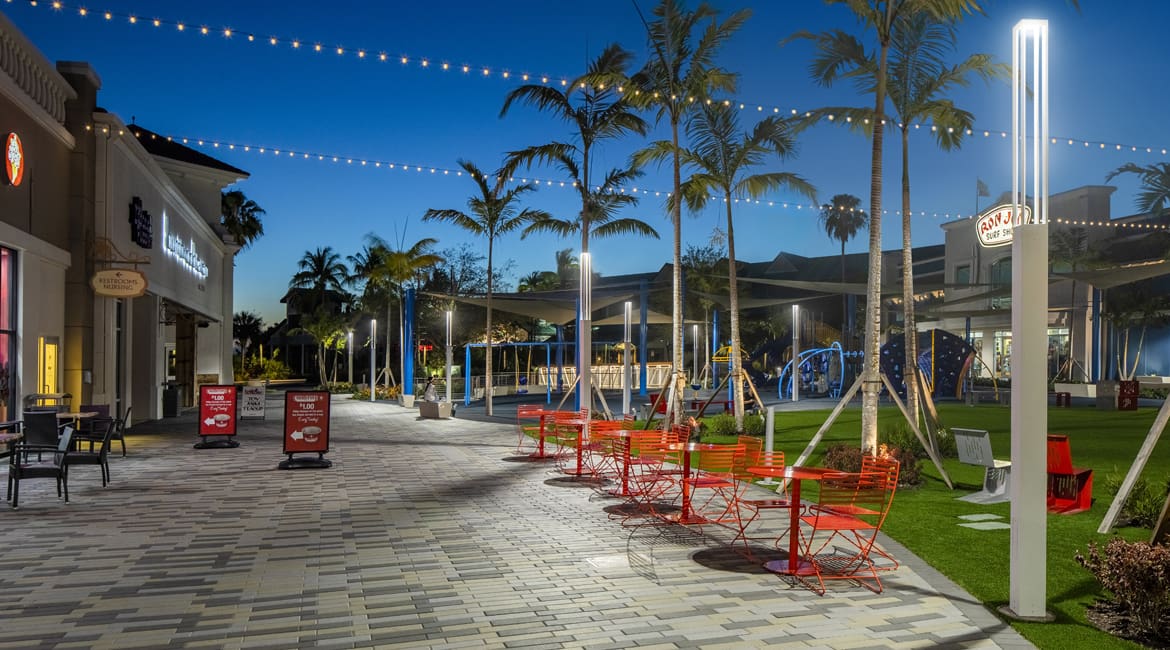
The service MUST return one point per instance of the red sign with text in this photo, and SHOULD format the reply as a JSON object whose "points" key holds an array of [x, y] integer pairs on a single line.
{"points": [[217, 410], [306, 421]]}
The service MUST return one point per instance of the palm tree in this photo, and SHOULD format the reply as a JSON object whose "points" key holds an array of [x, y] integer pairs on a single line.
{"points": [[491, 213], [842, 218], [721, 157], [240, 216], [1070, 247], [319, 271], [567, 268], [247, 328], [679, 76], [538, 281], [838, 58], [601, 113], [395, 268], [1155, 180]]}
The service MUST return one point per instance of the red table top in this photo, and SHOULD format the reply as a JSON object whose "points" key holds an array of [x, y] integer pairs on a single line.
{"points": [[795, 473]]}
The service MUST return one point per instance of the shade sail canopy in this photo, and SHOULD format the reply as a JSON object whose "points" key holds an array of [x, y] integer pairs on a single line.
{"points": [[559, 307], [1116, 276], [652, 318]]}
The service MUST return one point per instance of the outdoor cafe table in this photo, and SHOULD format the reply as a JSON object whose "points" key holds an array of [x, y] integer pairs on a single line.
{"points": [[793, 565], [542, 415], [77, 417], [685, 514], [581, 424]]}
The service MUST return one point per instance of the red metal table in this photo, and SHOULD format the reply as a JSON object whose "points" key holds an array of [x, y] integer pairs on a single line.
{"points": [[541, 415], [686, 514], [793, 565], [582, 426]]}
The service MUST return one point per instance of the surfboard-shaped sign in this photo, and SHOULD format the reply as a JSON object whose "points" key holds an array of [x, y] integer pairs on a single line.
{"points": [[995, 225]]}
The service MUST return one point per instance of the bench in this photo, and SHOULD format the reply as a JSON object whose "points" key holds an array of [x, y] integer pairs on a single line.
{"points": [[974, 447], [1070, 489], [434, 409]]}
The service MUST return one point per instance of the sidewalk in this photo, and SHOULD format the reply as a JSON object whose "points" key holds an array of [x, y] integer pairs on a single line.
{"points": [[423, 534]]}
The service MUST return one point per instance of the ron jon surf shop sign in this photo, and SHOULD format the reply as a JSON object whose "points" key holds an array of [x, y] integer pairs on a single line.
{"points": [[994, 227]]}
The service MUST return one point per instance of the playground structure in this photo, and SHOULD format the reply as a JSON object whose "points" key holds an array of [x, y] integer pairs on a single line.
{"points": [[820, 372], [944, 361]]}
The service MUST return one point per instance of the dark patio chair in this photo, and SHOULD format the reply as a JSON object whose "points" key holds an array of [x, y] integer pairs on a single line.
{"points": [[100, 457], [40, 461], [40, 428], [120, 430]]}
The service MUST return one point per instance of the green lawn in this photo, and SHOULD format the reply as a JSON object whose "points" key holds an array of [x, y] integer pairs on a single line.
{"points": [[925, 519]]}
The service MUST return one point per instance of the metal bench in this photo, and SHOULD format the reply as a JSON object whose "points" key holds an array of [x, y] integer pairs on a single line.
{"points": [[974, 447]]}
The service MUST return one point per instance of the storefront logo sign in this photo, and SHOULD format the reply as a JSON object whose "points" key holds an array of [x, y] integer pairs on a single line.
{"points": [[118, 283], [183, 252], [13, 159], [141, 226], [994, 227]]}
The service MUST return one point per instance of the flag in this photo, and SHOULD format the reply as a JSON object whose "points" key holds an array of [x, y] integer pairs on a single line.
{"points": [[981, 188]]}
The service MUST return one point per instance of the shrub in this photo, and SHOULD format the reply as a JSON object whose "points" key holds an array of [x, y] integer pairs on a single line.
{"points": [[724, 425], [846, 458], [340, 387], [1144, 503], [899, 435], [1138, 576], [259, 368], [382, 392]]}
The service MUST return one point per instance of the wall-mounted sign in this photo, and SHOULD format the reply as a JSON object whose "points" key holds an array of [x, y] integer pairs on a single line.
{"points": [[13, 159], [183, 252], [141, 228], [994, 226], [118, 283]]}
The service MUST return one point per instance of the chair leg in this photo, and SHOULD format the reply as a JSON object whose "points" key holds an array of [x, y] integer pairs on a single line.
{"points": [[123, 441], [15, 492], [65, 483]]}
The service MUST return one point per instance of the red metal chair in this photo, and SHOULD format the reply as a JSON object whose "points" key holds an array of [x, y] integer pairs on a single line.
{"points": [[525, 414], [713, 486], [750, 509], [842, 528]]}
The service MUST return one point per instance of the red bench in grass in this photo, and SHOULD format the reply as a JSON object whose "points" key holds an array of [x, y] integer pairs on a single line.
{"points": [[1070, 489]]}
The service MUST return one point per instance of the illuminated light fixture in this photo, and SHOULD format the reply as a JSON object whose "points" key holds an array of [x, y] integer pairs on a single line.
{"points": [[109, 16], [227, 32], [382, 56], [404, 60], [157, 22], [133, 20], [180, 27], [486, 72], [83, 11], [446, 66], [317, 47], [203, 30], [340, 51], [361, 54], [296, 45], [251, 37], [466, 69], [425, 63]]}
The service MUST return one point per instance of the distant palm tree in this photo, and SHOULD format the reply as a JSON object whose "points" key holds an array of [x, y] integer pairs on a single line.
{"points": [[247, 328], [395, 269], [1070, 247], [319, 271], [240, 216], [597, 112], [827, 67], [567, 266], [538, 281], [491, 213], [720, 157], [1155, 179], [679, 76], [842, 218]]}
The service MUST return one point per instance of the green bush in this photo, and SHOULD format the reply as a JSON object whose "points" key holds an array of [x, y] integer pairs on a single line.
{"points": [[724, 425], [899, 435], [1144, 503], [843, 458], [847, 458], [1138, 576], [382, 392], [341, 388], [259, 368]]}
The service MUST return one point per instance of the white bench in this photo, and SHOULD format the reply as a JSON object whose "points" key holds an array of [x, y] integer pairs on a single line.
{"points": [[434, 409], [975, 449]]}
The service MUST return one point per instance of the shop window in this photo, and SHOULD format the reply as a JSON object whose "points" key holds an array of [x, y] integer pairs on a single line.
{"points": [[1001, 278], [9, 386], [963, 274]]}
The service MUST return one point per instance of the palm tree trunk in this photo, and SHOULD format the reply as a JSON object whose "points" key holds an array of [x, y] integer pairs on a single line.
{"points": [[910, 368], [871, 386], [674, 410], [736, 358], [487, 366]]}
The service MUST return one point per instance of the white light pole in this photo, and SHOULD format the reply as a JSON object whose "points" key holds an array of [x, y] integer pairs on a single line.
{"points": [[585, 336], [349, 347], [796, 353], [449, 356], [373, 355], [1027, 591], [694, 354], [627, 377]]}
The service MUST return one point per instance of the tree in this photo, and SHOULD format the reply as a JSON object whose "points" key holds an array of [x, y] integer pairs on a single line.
{"points": [[1069, 247], [1134, 305], [319, 271], [842, 218], [837, 58], [720, 158], [567, 269], [538, 281], [325, 328], [240, 216], [680, 75], [600, 113], [247, 328], [1155, 180], [491, 213]]}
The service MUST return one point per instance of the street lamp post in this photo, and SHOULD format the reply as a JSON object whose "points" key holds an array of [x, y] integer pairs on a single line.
{"points": [[449, 356], [695, 354], [627, 377], [373, 356], [349, 347], [796, 353]]}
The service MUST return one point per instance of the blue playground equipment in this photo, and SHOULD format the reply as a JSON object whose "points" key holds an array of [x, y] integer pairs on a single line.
{"points": [[812, 364], [943, 358]]}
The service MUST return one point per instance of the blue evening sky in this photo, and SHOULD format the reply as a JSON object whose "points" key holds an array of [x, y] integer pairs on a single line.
{"points": [[1106, 83]]}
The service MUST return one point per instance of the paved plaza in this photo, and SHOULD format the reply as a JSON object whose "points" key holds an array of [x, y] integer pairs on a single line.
{"points": [[423, 534]]}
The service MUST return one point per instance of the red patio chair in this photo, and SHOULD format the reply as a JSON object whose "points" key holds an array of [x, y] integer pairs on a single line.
{"points": [[750, 508], [714, 486]]}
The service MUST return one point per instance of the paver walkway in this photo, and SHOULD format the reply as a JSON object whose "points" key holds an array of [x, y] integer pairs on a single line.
{"points": [[423, 534]]}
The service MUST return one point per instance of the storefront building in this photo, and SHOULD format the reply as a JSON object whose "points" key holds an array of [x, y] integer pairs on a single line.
{"points": [[115, 278]]}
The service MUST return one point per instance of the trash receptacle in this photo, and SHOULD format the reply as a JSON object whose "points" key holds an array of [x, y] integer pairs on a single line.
{"points": [[171, 401]]}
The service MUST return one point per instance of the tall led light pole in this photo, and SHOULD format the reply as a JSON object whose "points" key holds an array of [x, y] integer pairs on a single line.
{"points": [[1027, 591], [694, 354], [585, 337], [349, 347], [373, 356], [449, 356], [627, 376], [796, 353]]}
